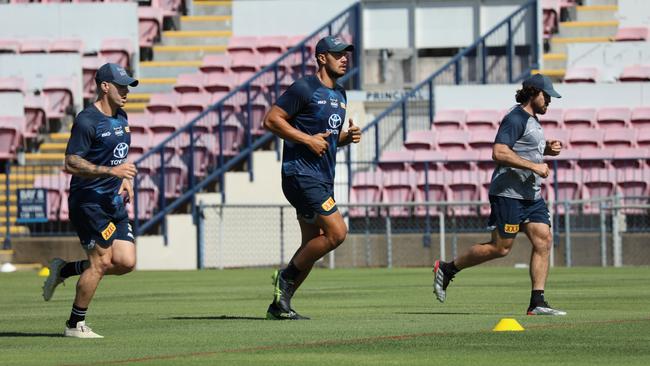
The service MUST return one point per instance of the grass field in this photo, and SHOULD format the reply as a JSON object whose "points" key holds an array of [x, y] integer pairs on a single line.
{"points": [[360, 317]]}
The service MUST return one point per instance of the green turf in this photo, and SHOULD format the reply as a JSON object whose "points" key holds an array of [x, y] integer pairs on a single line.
{"points": [[360, 317]]}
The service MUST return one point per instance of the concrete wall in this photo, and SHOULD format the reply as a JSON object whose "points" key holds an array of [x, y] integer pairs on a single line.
{"points": [[633, 13], [180, 253], [610, 58], [11, 104]]}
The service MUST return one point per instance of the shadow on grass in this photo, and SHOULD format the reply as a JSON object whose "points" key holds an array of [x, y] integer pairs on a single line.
{"points": [[27, 334], [220, 317], [442, 313]]}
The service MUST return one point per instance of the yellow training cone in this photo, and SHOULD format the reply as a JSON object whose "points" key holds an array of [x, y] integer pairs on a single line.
{"points": [[508, 325], [44, 272]]}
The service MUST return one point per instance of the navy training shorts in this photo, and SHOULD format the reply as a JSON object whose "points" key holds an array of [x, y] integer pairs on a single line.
{"points": [[507, 214], [309, 196], [99, 223]]}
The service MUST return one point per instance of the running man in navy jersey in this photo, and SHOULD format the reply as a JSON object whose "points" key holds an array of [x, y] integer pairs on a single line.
{"points": [[309, 118], [101, 185]]}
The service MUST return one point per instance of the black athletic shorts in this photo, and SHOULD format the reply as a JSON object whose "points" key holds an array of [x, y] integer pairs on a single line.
{"points": [[309, 196], [100, 222], [508, 213]]}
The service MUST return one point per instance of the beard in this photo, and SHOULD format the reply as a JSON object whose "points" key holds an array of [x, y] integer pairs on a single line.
{"points": [[540, 109]]}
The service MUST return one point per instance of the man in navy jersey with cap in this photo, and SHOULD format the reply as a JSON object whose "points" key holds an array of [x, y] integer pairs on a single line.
{"points": [[101, 185], [515, 195], [309, 118]]}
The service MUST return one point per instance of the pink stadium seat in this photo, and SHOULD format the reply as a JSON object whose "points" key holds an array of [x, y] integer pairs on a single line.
{"points": [[54, 184], [427, 160], [259, 106], [634, 183], [395, 160], [295, 62], [552, 119], [294, 41], [581, 75], [216, 64], [189, 83], [431, 187], [598, 183], [462, 165], [140, 134], [58, 96], [67, 45], [582, 137], [162, 102], [643, 138], [620, 137], [11, 130], [89, 67], [567, 160], [452, 140], [242, 44], [244, 62], [150, 25], [481, 140], [163, 125], [9, 45], [13, 84], [551, 16], [613, 117], [219, 82], [630, 158], [482, 119], [485, 164], [35, 114], [147, 197], [635, 73], [34, 46], [579, 117], [170, 8], [640, 117], [569, 188], [233, 136], [398, 188], [366, 188], [175, 176], [201, 152], [192, 104], [117, 51], [420, 140], [272, 44], [631, 34], [591, 157], [449, 119], [464, 188]]}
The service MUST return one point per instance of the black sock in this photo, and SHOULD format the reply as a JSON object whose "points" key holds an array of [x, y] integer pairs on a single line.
{"points": [[449, 268], [76, 315], [537, 298], [73, 268], [291, 272]]}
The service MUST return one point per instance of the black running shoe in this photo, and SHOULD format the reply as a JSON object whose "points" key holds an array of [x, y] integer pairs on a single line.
{"points": [[544, 309], [282, 292], [440, 282], [275, 313]]}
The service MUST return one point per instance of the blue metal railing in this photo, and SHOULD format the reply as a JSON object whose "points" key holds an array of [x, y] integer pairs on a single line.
{"points": [[505, 54], [226, 134]]}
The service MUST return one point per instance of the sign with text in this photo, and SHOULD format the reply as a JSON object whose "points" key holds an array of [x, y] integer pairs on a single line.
{"points": [[32, 205]]}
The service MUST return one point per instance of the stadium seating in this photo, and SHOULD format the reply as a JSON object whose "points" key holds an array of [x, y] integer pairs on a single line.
{"points": [[11, 131], [581, 75], [420, 140], [631, 34], [366, 188], [449, 119], [635, 73]]}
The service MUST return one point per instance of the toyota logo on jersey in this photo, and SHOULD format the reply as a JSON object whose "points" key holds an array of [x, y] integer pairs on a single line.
{"points": [[335, 121]]}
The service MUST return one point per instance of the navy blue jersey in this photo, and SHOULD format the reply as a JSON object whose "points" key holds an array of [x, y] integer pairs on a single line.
{"points": [[103, 141], [313, 108]]}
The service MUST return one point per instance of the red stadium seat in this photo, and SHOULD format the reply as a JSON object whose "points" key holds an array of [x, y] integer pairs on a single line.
{"points": [[613, 117], [621, 137]]}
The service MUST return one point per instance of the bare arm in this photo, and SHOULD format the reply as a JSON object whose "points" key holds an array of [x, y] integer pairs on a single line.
{"points": [[276, 121], [504, 155], [352, 135], [76, 165]]}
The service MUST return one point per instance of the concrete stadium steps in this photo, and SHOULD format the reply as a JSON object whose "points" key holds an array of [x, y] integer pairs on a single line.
{"points": [[594, 13], [554, 60], [185, 52], [558, 44], [59, 137], [17, 177], [139, 97], [211, 7], [53, 147], [239, 188], [131, 107], [6, 255], [158, 69], [605, 28], [44, 158], [196, 37], [206, 22], [156, 85]]}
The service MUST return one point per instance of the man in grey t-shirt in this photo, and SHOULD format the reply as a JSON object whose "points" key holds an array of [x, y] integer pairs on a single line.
{"points": [[515, 198]]}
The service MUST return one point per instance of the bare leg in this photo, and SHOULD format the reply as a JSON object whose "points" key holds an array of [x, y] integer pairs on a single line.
{"points": [[308, 232], [334, 233], [496, 248], [541, 238]]}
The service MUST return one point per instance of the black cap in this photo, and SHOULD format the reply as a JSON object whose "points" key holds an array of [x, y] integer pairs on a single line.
{"points": [[541, 82], [114, 73], [332, 44]]}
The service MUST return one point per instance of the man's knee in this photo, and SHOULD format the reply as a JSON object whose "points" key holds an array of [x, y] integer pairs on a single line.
{"points": [[502, 245], [336, 236]]}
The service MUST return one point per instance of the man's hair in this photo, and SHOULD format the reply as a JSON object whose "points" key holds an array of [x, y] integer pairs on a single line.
{"points": [[525, 94]]}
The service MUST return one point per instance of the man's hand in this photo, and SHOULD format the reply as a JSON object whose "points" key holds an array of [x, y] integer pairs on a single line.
{"points": [[127, 186], [318, 144], [354, 132], [124, 171], [553, 147], [541, 170]]}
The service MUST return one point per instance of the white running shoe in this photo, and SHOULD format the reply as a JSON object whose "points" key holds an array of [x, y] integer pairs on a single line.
{"points": [[54, 279], [81, 331], [546, 309]]}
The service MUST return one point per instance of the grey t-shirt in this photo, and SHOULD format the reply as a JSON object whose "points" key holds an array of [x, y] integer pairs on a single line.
{"points": [[524, 135]]}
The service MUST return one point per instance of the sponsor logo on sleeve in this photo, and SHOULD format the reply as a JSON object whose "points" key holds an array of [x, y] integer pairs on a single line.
{"points": [[329, 204], [342, 105], [127, 129], [109, 231], [511, 228]]}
